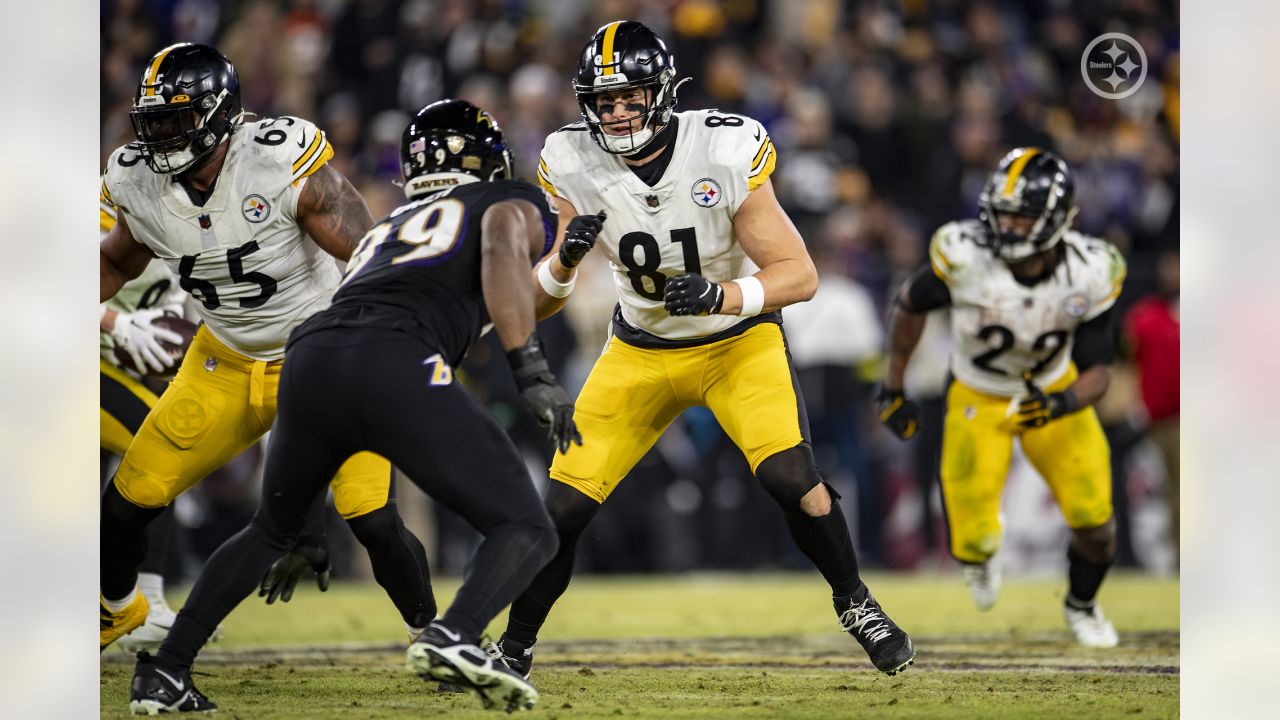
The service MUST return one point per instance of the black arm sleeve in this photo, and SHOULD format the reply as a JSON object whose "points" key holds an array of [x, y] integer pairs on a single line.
{"points": [[924, 291], [1095, 342]]}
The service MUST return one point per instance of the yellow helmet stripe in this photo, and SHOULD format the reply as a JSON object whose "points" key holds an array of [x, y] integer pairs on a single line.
{"points": [[1015, 170], [155, 68], [606, 46]]}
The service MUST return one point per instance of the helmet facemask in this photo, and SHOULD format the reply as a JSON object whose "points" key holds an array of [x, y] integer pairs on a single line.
{"points": [[1051, 210], [173, 138], [653, 112]]}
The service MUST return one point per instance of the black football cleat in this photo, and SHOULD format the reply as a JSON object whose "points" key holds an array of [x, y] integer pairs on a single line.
{"points": [[888, 645], [441, 654], [157, 690]]}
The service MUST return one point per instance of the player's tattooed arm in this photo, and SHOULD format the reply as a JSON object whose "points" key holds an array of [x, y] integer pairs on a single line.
{"points": [[333, 213], [772, 242], [121, 258]]}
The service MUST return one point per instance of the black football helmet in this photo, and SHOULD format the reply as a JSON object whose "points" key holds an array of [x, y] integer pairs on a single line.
{"points": [[621, 55], [449, 137], [187, 103], [1033, 183]]}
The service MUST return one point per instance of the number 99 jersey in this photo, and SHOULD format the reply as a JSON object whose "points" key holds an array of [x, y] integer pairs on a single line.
{"points": [[683, 224], [241, 255], [1001, 327]]}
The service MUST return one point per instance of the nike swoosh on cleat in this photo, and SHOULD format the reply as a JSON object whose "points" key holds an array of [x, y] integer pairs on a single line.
{"points": [[456, 637], [180, 685]]}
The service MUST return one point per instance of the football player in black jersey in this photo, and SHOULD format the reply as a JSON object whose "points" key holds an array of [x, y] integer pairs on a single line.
{"points": [[375, 372]]}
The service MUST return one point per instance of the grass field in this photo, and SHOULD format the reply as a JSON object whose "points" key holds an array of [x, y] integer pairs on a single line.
{"points": [[710, 646]]}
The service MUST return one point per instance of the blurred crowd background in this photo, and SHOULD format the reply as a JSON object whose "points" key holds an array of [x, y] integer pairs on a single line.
{"points": [[888, 115]]}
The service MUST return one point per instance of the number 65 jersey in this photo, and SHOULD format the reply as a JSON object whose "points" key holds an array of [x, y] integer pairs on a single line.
{"points": [[241, 255], [683, 224], [1001, 327]]}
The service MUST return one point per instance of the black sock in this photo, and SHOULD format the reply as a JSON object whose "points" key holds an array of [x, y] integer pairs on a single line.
{"points": [[1084, 579], [825, 541], [159, 536], [122, 542], [572, 512], [230, 575], [399, 563], [507, 560]]}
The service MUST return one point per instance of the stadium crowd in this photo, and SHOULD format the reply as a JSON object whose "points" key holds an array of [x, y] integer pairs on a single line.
{"points": [[888, 117]]}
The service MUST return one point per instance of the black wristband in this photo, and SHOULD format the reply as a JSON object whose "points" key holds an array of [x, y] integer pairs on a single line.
{"points": [[528, 364]]}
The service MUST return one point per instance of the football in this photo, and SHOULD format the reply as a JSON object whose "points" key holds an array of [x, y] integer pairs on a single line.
{"points": [[181, 326]]}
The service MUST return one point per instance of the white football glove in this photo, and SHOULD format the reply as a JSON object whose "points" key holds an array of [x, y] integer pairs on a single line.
{"points": [[137, 336]]}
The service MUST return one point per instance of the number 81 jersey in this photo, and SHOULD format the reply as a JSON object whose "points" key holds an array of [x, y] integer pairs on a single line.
{"points": [[682, 224], [1001, 327], [241, 255]]}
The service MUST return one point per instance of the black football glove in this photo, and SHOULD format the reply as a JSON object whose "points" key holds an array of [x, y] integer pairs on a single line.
{"points": [[900, 415], [1037, 409], [284, 574], [542, 395], [693, 294], [579, 238]]}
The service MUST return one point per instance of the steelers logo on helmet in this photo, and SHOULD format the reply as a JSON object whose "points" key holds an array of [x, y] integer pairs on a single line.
{"points": [[706, 192], [625, 63], [255, 208], [186, 104]]}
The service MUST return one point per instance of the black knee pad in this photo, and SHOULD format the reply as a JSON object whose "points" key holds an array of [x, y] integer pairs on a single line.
{"points": [[570, 510], [789, 475], [378, 528], [117, 512]]}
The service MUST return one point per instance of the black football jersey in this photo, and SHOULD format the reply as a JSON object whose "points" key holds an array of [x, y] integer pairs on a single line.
{"points": [[418, 271]]}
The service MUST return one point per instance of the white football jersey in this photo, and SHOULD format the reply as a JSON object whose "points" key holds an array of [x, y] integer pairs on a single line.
{"points": [[254, 272], [682, 224], [1001, 327], [154, 288]]}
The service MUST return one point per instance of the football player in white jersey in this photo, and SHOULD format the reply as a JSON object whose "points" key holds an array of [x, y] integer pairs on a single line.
{"points": [[250, 217], [1030, 302], [703, 258], [124, 401]]}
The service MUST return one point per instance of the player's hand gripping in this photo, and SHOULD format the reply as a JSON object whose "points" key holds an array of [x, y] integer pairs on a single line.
{"points": [[284, 574], [579, 238], [542, 395], [900, 415], [1038, 408], [134, 333], [692, 294]]}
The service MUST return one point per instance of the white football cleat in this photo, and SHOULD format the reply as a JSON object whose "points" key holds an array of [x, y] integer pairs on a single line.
{"points": [[151, 634], [1091, 629], [983, 580]]}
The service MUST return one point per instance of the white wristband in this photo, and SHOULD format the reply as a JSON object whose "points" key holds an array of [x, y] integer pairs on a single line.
{"points": [[551, 285], [752, 296]]}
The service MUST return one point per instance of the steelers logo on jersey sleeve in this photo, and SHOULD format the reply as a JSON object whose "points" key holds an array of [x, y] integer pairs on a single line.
{"points": [[706, 192], [255, 208], [1076, 305]]}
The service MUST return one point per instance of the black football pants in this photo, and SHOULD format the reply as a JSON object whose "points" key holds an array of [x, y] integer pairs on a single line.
{"points": [[346, 390]]}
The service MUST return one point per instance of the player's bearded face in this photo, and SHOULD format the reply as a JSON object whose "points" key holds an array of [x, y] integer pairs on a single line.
{"points": [[1019, 224], [622, 112]]}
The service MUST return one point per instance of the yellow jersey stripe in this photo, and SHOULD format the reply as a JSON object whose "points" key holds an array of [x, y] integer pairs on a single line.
{"points": [[311, 150], [757, 178], [606, 46], [106, 220], [545, 182], [322, 157], [154, 69], [1015, 170]]}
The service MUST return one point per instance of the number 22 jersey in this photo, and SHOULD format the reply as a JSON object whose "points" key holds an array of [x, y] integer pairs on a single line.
{"points": [[1001, 327], [682, 224], [253, 271]]}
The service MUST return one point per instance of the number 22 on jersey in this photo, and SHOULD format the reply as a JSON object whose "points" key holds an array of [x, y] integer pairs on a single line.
{"points": [[429, 232]]}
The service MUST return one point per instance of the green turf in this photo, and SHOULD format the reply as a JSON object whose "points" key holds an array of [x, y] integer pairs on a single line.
{"points": [[714, 646]]}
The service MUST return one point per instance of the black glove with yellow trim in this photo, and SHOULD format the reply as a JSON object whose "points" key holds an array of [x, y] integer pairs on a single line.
{"points": [[1038, 408], [900, 415]]}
